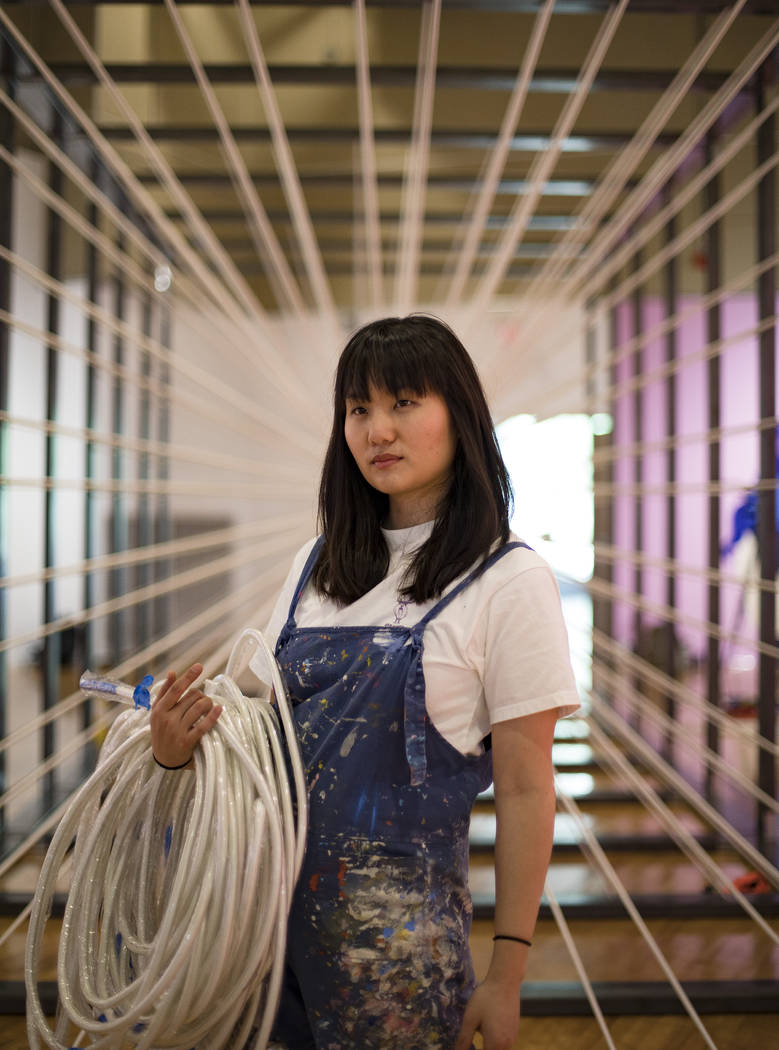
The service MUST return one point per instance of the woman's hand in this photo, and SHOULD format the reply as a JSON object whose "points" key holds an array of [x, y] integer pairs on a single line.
{"points": [[493, 1010], [180, 716]]}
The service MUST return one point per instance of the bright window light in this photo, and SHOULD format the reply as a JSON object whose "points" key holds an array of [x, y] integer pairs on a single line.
{"points": [[550, 463]]}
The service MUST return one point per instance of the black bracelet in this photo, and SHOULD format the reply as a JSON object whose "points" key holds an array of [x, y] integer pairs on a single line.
{"points": [[508, 937], [163, 766]]}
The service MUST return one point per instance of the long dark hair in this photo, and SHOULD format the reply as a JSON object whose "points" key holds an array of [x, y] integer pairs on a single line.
{"points": [[420, 354]]}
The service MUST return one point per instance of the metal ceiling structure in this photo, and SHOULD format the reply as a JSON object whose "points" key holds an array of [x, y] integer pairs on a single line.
{"points": [[377, 157]]}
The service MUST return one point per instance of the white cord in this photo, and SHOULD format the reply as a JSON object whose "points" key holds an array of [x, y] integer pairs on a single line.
{"points": [[175, 925]]}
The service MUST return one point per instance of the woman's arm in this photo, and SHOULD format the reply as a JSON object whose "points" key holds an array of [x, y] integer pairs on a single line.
{"points": [[525, 807]]}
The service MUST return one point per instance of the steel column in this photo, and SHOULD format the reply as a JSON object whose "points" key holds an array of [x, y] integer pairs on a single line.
{"points": [[118, 542], [713, 375], [637, 302], [90, 462], [603, 515], [670, 280], [52, 644], [766, 517], [7, 78], [144, 530], [162, 521]]}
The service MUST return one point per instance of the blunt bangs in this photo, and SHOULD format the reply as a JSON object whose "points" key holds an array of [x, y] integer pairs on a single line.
{"points": [[393, 355]]}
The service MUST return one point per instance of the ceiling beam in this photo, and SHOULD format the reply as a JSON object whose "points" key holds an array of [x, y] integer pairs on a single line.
{"points": [[548, 81], [538, 223], [569, 7], [553, 188], [526, 143]]}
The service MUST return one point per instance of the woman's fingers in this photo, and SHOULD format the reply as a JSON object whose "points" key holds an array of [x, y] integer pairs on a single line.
{"points": [[206, 722], [173, 688], [193, 708]]}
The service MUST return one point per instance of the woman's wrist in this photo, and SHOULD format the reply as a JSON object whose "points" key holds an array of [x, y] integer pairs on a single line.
{"points": [[508, 962], [164, 765]]}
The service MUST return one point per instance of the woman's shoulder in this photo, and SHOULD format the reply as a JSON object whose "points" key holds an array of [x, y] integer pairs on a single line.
{"points": [[518, 559], [302, 555]]}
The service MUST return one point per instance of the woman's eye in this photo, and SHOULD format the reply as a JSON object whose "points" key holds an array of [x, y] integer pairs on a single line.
{"points": [[357, 410], [403, 402]]}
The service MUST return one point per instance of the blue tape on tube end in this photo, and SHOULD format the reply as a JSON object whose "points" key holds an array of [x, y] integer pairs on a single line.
{"points": [[141, 697]]}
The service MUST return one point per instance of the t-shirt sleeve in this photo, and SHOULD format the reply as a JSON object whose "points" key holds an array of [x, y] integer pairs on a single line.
{"points": [[527, 664], [278, 616]]}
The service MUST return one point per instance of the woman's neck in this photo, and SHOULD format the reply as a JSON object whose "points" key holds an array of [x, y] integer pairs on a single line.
{"points": [[405, 513]]}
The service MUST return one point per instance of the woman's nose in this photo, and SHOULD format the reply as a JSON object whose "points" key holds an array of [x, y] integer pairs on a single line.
{"points": [[380, 428]]}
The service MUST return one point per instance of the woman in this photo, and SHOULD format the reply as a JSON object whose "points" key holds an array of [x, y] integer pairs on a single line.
{"points": [[425, 655]]}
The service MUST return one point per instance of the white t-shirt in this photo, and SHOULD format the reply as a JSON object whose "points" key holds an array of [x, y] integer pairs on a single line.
{"points": [[499, 650]]}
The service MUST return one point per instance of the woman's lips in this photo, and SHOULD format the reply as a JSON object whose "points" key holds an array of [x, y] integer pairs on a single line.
{"points": [[385, 461]]}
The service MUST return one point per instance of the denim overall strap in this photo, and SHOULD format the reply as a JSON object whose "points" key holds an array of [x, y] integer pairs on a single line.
{"points": [[305, 575], [415, 711]]}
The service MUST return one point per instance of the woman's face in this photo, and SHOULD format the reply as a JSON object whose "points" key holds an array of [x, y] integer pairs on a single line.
{"points": [[404, 446]]}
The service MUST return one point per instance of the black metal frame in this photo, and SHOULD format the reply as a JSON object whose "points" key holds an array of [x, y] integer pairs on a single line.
{"points": [[52, 643], [637, 318], [163, 526], [670, 303], [119, 538], [570, 7], [555, 998], [766, 524], [7, 137], [90, 463], [712, 192]]}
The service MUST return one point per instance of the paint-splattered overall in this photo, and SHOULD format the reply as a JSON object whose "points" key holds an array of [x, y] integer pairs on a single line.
{"points": [[378, 953]]}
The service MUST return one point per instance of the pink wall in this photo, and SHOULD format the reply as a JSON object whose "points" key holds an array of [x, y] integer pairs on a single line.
{"points": [[739, 458]]}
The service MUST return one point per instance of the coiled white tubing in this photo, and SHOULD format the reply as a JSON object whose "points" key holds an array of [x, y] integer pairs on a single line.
{"points": [[175, 925]]}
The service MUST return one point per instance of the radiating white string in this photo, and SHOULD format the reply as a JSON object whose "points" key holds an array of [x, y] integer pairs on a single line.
{"points": [[577, 380], [142, 198], [201, 405], [196, 544], [228, 336], [678, 690], [253, 325], [608, 870], [668, 774], [532, 314], [687, 735], [417, 160], [202, 232], [669, 686], [576, 959], [266, 242], [623, 450], [685, 195], [615, 554], [543, 165], [285, 162], [675, 828], [170, 451], [603, 589], [612, 182], [370, 189], [217, 566], [670, 159], [607, 489], [498, 156], [202, 377], [228, 615]]}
